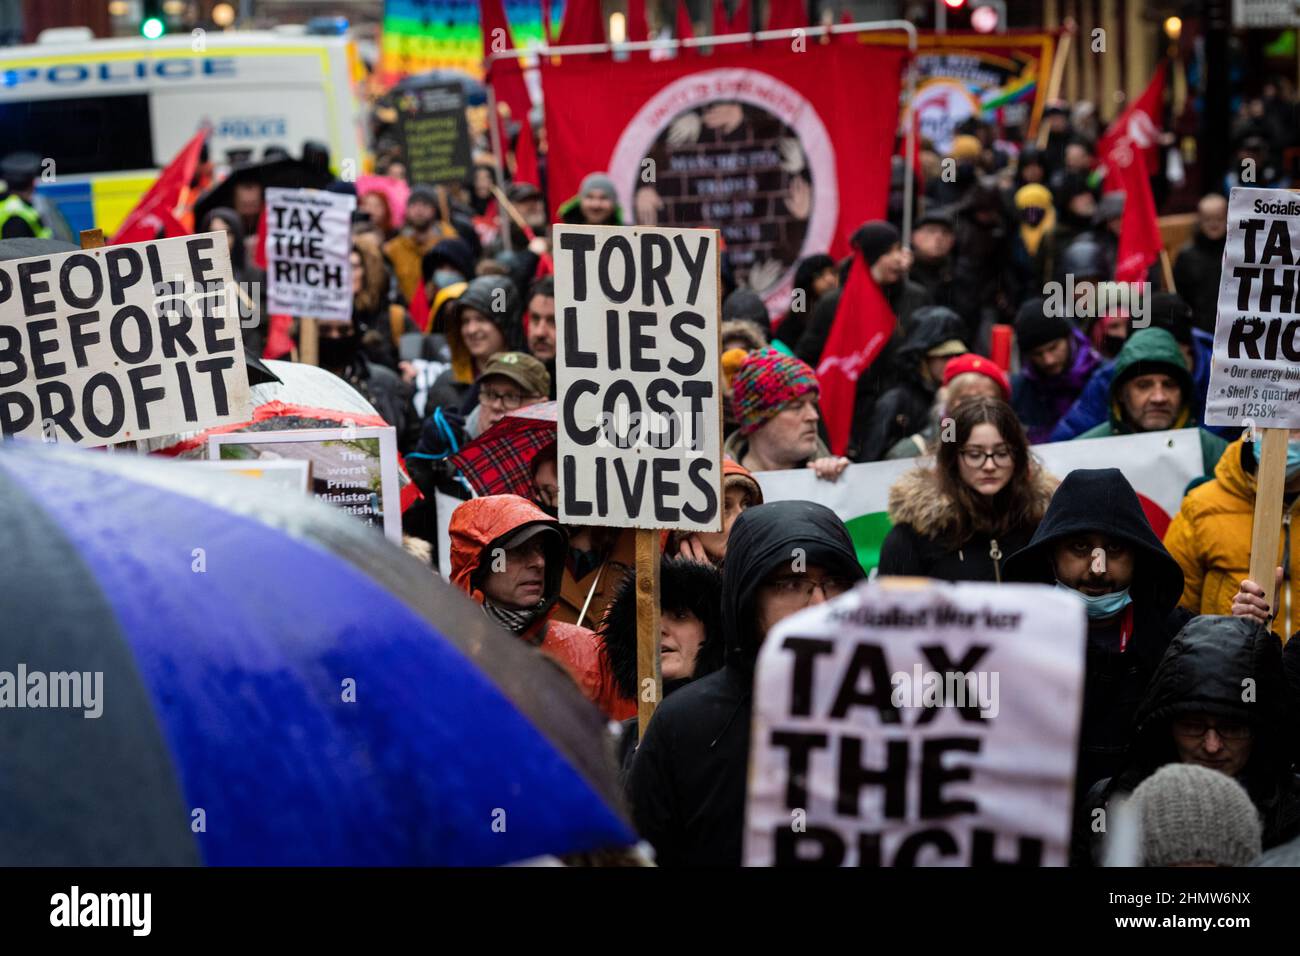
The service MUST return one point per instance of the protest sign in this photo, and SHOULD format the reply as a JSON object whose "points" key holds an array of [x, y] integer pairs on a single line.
{"points": [[435, 133], [1158, 465], [308, 253], [353, 469], [638, 377], [913, 723], [1255, 375], [1255, 372], [121, 342]]}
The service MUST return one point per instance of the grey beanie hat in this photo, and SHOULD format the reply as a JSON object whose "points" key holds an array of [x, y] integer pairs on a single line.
{"points": [[599, 181], [1192, 814]]}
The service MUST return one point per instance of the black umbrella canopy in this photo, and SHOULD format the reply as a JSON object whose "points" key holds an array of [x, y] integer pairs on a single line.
{"points": [[287, 173]]}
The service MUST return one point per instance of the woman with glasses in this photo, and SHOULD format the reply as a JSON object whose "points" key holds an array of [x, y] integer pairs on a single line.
{"points": [[980, 501]]}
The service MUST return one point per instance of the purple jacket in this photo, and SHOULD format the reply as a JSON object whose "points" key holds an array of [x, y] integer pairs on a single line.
{"points": [[1041, 402]]}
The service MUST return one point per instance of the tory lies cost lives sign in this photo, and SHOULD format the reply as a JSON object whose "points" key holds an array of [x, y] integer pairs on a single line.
{"points": [[121, 342], [638, 377], [1255, 375]]}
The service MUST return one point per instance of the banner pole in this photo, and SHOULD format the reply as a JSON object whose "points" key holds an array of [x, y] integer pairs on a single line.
{"points": [[308, 341], [1265, 532], [1060, 55], [649, 681], [494, 130]]}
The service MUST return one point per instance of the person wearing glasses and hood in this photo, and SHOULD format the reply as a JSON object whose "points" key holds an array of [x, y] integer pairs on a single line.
{"points": [[688, 778], [1217, 700], [1096, 543], [979, 503]]}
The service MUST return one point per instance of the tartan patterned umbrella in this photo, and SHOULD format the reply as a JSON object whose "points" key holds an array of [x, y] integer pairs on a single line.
{"points": [[499, 462]]}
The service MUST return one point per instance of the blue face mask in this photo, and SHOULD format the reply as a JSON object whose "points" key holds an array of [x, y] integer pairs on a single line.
{"points": [[1102, 605], [1292, 456], [445, 277]]}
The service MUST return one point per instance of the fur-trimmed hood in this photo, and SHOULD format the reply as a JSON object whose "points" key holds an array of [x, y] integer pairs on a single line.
{"points": [[916, 499]]}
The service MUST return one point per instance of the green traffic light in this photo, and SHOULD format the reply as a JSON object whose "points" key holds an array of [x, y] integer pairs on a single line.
{"points": [[152, 28]]}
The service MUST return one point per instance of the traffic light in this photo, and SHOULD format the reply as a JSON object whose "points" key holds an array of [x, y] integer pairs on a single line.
{"points": [[152, 23]]}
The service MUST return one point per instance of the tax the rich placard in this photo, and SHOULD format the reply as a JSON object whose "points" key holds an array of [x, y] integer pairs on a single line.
{"points": [[308, 250], [918, 723], [639, 377], [121, 342], [1255, 375]]}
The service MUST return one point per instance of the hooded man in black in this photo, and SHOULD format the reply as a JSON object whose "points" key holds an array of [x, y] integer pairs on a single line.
{"points": [[1095, 541], [938, 333], [688, 779], [1218, 699]]}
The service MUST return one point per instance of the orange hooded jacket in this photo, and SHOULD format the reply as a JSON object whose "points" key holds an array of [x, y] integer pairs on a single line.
{"points": [[474, 526]]}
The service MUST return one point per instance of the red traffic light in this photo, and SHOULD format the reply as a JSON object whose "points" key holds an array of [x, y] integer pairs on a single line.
{"points": [[954, 4]]}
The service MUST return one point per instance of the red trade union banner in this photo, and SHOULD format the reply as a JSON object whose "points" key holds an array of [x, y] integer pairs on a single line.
{"points": [[787, 153]]}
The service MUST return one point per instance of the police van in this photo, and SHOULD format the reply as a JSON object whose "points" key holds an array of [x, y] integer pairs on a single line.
{"points": [[106, 115]]}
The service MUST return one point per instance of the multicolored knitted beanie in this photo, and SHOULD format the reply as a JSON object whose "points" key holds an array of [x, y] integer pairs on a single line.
{"points": [[765, 382]]}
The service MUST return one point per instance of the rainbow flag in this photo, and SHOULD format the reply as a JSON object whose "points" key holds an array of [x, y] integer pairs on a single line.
{"points": [[423, 35]]}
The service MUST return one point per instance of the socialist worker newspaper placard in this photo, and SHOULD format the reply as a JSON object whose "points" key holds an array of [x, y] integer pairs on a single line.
{"points": [[908, 724], [121, 342], [1255, 373]]}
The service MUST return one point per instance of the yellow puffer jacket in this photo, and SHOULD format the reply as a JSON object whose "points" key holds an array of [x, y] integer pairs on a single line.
{"points": [[1210, 539]]}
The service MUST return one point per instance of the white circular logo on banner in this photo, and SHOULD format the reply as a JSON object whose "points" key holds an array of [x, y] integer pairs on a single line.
{"points": [[741, 151]]}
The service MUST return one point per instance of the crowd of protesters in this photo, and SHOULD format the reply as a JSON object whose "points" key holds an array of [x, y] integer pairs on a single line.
{"points": [[454, 328]]}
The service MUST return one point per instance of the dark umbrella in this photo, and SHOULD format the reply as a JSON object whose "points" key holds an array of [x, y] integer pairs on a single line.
{"points": [[475, 92], [278, 685], [287, 173], [499, 462]]}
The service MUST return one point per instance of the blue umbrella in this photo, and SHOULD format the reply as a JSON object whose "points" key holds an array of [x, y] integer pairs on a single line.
{"points": [[280, 686]]}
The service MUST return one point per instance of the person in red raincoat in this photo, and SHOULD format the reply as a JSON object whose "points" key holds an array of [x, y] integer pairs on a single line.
{"points": [[508, 555]]}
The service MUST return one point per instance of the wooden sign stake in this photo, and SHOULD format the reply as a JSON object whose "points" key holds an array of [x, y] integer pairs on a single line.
{"points": [[1270, 480], [647, 627], [308, 341]]}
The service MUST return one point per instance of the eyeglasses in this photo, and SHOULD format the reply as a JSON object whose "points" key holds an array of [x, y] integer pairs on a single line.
{"points": [[507, 400], [1197, 727], [976, 457], [802, 586]]}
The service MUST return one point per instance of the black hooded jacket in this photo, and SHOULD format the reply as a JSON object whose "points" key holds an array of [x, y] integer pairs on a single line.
{"points": [[688, 778], [1205, 670], [684, 585], [905, 408], [1102, 501]]}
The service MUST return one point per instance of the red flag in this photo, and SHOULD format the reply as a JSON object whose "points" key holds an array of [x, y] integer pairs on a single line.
{"points": [[863, 324], [638, 30], [684, 30], [740, 20], [1135, 131], [506, 77], [419, 308], [786, 15], [847, 153], [526, 157], [719, 18], [161, 212], [1139, 239], [583, 23]]}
